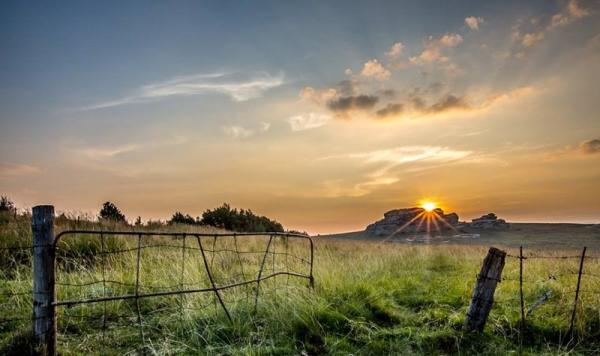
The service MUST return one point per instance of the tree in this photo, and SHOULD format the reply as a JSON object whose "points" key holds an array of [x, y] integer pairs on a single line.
{"points": [[179, 218], [110, 212], [239, 220]]}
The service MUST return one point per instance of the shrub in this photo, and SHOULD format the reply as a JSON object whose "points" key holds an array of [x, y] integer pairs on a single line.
{"points": [[239, 220], [110, 212], [179, 218]]}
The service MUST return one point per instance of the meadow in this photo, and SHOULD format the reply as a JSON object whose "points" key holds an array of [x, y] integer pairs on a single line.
{"points": [[369, 298]]}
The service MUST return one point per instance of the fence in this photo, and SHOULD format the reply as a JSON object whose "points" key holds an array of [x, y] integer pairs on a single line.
{"points": [[97, 281], [542, 292], [98, 276]]}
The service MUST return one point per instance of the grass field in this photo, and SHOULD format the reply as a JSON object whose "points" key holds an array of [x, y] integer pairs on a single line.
{"points": [[369, 298]]}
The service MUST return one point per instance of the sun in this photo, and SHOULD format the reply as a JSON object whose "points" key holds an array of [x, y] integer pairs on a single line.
{"points": [[429, 206]]}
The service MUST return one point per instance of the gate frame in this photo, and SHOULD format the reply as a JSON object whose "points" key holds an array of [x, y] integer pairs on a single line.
{"points": [[44, 263]]}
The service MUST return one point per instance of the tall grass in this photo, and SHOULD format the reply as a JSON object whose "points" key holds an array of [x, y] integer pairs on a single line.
{"points": [[369, 298]]}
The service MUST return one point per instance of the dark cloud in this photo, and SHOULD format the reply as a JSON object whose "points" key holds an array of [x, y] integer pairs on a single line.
{"points": [[449, 102], [347, 87], [435, 87], [347, 103], [390, 109], [591, 146], [418, 103], [388, 93]]}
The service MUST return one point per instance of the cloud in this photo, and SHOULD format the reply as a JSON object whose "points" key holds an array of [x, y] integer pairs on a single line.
{"points": [[346, 87], [451, 40], [308, 121], [264, 126], [433, 49], [408, 154], [473, 22], [590, 147], [99, 154], [570, 13], [532, 38], [16, 170], [390, 110], [237, 131], [238, 86], [374, 69], [347, 103], [319, 97], [449, 102], [396, 50]]}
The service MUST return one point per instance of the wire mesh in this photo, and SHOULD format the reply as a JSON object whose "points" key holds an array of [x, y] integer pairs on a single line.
{"points": [[145, 283]]}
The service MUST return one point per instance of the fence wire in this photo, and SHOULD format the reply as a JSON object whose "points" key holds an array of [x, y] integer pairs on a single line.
{"points": [[568, 270], [189, 274]]}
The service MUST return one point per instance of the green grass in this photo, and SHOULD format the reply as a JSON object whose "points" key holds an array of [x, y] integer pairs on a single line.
{"points": [[369, 299]]}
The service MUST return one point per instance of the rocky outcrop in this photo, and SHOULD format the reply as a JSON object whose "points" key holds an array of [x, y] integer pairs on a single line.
{"points": [[489, 222], [412, 220]]}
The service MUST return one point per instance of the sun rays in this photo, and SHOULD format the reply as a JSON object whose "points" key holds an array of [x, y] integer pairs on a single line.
{"points": [[427, 221]]}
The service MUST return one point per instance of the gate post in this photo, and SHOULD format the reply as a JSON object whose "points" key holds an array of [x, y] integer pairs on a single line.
{"points": [[44, 318], [483, 295]]}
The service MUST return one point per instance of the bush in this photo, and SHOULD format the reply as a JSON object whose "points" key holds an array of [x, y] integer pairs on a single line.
{"points": [[225, 217], [179, 218], [110, 212]]}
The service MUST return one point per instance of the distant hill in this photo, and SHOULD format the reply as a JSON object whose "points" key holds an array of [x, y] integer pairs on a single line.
{"points": [[530, 235]]}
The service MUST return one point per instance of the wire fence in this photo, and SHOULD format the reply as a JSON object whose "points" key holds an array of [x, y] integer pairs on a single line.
{"points": [[129, 287], [563, 286]]}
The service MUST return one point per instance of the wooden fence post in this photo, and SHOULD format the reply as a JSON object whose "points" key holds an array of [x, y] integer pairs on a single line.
{"points": [[44, 318], [483, 295]]}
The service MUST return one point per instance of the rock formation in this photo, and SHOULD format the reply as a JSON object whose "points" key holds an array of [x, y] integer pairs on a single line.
{"points": [[489, 222], [408, 221]]}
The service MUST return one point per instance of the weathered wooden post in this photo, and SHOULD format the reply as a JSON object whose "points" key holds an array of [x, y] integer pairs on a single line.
{"points": [[44, 318], [483, 295]]}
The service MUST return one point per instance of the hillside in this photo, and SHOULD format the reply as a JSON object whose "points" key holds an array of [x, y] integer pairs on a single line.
{"points": [[529, 235]]}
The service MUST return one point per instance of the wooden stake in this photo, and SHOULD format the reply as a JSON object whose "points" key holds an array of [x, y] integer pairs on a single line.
{"points": [[483, 295], [44, 318]]}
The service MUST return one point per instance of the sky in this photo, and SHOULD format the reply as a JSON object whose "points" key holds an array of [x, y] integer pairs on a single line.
{"points": [[320, 114]]}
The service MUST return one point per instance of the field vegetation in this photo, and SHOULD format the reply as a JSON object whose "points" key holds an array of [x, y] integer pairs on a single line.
{"points": [[369, 298]]}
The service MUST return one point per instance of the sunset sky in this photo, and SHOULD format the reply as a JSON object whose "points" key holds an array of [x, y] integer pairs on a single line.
{"points": [[320, 114]]}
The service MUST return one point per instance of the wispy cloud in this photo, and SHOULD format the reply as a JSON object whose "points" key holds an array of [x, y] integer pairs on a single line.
{"points": [[408, 154], [308, 121], [238, 86], [386, 166], [100, 154], [572, 12], [15, 170], [590, 146], [238, 131]]}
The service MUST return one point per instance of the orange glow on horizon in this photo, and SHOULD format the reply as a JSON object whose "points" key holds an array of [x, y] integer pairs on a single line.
{"points": [[429, 206]]}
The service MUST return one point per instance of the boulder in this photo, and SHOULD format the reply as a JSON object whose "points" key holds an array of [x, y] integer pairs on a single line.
{"points": [[407, 220], [489, 222]]}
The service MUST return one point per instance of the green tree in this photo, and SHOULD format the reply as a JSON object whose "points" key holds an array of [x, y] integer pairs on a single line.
{"points": [[225, 217], [179, 218], [110, 212]]}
